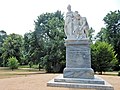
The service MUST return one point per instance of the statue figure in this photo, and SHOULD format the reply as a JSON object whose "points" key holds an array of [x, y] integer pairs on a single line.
{"points": [[68, 28], [76, 27], [83, 28], [76, 24]]}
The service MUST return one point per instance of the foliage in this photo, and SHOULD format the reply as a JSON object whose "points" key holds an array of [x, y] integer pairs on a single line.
{"points": [[118, 73], [12, 47], [13, 63], [103, 56], [49, 32], [33, 49], [3, 35], [90, 34], [112, 21], [101, 36], [30, 64]]}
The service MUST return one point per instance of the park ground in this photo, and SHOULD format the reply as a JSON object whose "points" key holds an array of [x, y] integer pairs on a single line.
{"points": [[31, 79]]}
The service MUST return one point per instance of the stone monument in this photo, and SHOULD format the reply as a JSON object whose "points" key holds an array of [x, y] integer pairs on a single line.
{"points": [[78, 72]]}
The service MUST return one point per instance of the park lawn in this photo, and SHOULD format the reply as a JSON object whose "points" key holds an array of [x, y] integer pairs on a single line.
{"points": [[8, 73], [40, 80], [5, 72]]}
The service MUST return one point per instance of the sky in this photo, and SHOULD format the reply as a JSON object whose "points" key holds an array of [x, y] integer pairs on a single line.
{"points": [[18, 16]]}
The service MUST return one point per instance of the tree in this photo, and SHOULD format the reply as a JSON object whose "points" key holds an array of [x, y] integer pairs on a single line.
{"points": [[49, 31], [12, 47], [30, 64], [3, 35], [101, 36], [103, 57], [90, 34], [33, 49], [112, 21], [13, 63]]}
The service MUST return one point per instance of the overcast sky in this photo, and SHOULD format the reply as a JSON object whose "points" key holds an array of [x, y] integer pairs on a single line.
{"points": [[17, 16]]}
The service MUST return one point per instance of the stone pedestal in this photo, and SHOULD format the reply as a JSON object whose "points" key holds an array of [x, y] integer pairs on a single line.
{"points": [[78, 73], [96, 83], [78, 60]]}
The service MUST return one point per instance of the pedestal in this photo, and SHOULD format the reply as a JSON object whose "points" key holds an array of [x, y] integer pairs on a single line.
{"points": [[78, 60], [78, 74]]}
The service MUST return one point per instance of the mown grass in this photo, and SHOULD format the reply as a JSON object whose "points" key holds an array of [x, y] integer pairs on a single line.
{"points": [[27, 66], [5, 72]]}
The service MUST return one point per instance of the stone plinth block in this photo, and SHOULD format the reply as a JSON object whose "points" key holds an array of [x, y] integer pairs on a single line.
{"points": [[78, 54], [78, 59]]}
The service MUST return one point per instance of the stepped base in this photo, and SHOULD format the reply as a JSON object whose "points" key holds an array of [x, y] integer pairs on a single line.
{"points": [[90, 84]]}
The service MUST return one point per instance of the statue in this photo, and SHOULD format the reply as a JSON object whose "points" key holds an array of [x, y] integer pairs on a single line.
{"points": [[76, 27], [69, 22]]}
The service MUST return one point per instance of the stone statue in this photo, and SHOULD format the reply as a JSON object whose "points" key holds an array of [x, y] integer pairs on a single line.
{"points": [[76, 27], [83, 29], [69, 22]]}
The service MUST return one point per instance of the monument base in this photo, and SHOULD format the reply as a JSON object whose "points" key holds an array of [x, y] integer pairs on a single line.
{"points": [[80, 84], [85, 73]]}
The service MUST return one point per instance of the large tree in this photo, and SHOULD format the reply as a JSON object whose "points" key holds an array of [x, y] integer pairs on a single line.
{"points": [[101, 36], [3, 35], [32, 49], [111, 33], [12, 47], [49, 31]]}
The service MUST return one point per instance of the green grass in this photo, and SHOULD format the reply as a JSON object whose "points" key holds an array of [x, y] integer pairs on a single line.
{"points": [[27, 66], [5, 72], [21, 69], [24, 66]]}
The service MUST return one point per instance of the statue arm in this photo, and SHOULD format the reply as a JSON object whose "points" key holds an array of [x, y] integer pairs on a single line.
{"points": [[83, 23]]}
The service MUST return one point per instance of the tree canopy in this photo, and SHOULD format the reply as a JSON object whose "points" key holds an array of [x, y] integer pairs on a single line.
{"points": [[12, 47], [49, 32], [111, 32]]}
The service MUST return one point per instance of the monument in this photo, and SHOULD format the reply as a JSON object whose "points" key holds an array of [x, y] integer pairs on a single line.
{"points": [[78, 73]]}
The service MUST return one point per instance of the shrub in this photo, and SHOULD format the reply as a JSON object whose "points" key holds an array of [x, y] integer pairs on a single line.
{"points": [[103, 57], [13, 63]]}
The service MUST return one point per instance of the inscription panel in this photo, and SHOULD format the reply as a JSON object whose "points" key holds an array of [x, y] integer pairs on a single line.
{"points": [[78, 57]]}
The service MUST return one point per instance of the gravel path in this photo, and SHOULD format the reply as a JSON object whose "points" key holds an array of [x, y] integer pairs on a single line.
{"points": [[38, 82]]}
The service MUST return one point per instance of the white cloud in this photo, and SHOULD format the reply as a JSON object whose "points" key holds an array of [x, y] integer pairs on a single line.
{"points": [[17, 16]]}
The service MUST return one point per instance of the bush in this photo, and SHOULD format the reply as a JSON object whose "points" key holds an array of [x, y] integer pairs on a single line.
{"points": [[13, 63], [103, 57], [118, 73]]}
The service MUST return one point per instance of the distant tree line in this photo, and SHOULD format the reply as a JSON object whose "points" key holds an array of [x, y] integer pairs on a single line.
{"points": [[45, 45]]}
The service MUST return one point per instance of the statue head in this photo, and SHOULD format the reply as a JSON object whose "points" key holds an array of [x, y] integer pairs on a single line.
{"points": [[69, 7], [77, 15]]}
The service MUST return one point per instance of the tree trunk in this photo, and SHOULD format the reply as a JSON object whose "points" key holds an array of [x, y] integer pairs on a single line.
{"points": [[100, 73]]}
